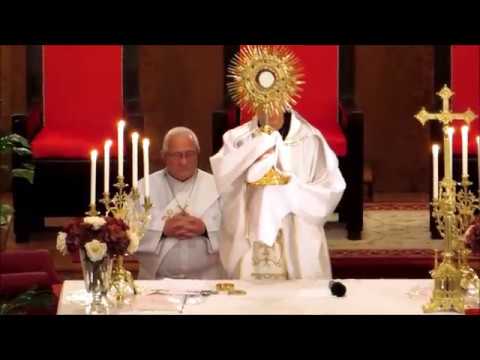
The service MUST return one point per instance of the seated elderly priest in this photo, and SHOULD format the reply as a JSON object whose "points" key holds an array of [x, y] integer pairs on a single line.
{"points": [[182, 238]]}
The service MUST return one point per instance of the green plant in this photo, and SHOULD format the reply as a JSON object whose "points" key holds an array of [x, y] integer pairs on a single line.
{"points": [[19, 145], [31, 299]]}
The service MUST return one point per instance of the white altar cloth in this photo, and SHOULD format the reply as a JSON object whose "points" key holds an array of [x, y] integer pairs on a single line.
{"points": [[364, 297]]}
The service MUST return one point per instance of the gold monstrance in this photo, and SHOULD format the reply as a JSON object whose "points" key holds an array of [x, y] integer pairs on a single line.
{"points": [[453, 213], [265, 80]]}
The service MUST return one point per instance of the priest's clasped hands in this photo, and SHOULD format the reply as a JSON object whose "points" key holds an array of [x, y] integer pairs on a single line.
{"points": [[183, 226]]}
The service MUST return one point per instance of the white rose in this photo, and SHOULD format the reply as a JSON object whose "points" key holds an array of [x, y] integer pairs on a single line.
{"points": [[96, 250], [62, 243], [134, 242], [96, 221]]}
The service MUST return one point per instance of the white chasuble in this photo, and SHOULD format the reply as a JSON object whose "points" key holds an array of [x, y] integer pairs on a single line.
{"points": [[195, 258], [276, 231]]}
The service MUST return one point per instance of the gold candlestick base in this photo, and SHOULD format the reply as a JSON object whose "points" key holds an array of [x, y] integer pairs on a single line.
{"points": [[447, 293], [122, 282], [93, 211]]}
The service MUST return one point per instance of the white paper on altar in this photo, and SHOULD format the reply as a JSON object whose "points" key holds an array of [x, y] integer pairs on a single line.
{"points": [[152, 303], [176, 285], [147, 302]]}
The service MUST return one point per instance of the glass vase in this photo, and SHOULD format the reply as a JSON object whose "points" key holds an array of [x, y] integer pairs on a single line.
{"points": [[97, 276]]}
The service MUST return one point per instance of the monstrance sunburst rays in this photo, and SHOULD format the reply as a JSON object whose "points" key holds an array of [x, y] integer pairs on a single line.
{"points": [[265, 78]]}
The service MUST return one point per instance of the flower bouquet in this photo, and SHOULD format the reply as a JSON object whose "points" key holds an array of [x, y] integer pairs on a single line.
{"points": [[98, 240]]}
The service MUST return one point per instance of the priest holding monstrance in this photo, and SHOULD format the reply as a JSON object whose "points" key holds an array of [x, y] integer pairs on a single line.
{"points": [[277, 176]]}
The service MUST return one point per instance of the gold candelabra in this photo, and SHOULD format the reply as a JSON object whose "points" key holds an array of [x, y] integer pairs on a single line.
{"points": [[93, 211], [453, 212], [126, 206]]}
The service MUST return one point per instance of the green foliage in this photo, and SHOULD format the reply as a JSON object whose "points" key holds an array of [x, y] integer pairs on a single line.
{"points": [[33, 299], [23, 173], [20, 146], [5, 211]]}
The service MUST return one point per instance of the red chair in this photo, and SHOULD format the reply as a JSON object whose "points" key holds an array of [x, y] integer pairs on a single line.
{"points": [[17, 283], [327, 101], [458, 66], [20, 261], [23, 270], [76, 95]]}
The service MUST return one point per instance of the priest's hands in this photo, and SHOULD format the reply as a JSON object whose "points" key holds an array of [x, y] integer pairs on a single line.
{"points": [[184, 226], [275, 140], [193, 227], [266, 154]]}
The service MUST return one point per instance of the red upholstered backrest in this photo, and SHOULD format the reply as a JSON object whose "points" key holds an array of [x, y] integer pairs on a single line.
{"points": [[16, 283], [465, 81], [20, 261], [318, 101], [82, 94]]}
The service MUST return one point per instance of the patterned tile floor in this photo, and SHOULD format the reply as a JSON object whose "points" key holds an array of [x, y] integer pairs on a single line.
{"points": [[383, 230], [389, 227]]}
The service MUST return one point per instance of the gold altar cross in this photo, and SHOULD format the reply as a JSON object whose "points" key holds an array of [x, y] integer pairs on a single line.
{"points": [[445, 116], [448, 293]]}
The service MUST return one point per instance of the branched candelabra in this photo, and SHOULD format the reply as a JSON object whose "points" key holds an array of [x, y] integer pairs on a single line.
{"points": [[126, 206], [454, 278], [466, 206], [453, 212]]}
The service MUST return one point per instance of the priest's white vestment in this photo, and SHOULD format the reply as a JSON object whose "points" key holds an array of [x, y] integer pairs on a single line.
{"points": [[276, 231], [195, 258]]}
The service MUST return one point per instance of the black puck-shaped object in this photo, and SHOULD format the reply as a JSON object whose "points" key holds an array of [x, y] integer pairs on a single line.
{"points": [[337, 288]]}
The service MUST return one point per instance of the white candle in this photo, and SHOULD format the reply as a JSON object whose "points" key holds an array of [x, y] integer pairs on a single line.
{"points": [[93, 175], [435, 150], [450, 130], [121, 128], [478, 162], [464, 151], [146, 167], [135, 160], [106, 169]]}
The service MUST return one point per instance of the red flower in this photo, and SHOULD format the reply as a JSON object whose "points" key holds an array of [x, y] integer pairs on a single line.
{"points": [[472, 236], [113, 233]]}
